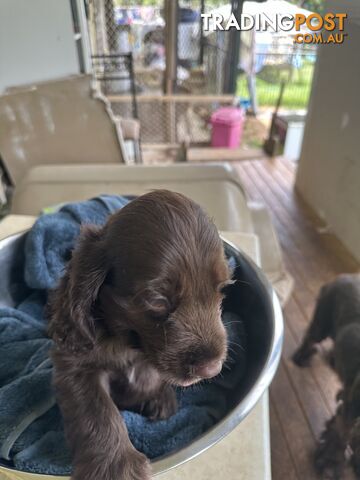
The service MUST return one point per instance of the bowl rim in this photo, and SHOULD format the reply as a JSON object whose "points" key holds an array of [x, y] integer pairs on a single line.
{"points": [[233, 418]]}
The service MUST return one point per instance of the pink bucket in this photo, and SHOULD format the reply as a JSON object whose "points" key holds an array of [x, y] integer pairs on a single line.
{"points": [[227, 126]]}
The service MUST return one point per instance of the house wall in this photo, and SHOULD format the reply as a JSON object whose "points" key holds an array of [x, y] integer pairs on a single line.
{"points": [[329, 168], [36, 41]]}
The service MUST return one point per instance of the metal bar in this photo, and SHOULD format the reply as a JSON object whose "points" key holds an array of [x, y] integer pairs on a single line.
{"points": [[173, 98], [171, 26], [234, 49], [201, 52], [103, 78], [171, 33], [121, 64], [112, 55], [133, 88]]}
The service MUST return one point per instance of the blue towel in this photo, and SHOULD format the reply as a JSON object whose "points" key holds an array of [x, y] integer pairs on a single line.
{"points": [[31, 427]]}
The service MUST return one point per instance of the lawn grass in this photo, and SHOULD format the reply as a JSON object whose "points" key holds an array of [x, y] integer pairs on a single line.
{"points": [[297, 91]]}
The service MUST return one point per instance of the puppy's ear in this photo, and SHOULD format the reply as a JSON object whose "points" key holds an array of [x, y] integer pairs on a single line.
{"points": [[72, 324]]}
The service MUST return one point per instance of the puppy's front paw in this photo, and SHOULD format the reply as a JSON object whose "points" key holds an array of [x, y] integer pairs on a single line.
{"points": [[303, 355], [125, 465], [330, 459], [133, 466], [161, 407]]}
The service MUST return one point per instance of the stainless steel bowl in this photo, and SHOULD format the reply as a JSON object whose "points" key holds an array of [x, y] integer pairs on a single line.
{"points": [[252, 297]]}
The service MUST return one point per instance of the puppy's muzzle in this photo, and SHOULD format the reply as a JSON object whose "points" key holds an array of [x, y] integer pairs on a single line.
{"points": [[208, 369]]}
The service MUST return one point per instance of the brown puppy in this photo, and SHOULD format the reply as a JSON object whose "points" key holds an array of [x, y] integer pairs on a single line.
{"points": [[137, 311]]}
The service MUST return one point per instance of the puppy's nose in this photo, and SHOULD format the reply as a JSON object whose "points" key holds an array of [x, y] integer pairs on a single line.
{"points": [[208, 370]]}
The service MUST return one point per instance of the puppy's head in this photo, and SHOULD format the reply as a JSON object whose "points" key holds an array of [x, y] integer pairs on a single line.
{"points": [[166, 280], [155, 272]]}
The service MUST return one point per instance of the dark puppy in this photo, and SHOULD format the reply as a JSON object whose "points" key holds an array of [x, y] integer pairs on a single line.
{"points": [[137, 311], [338, 306], [337, 315]]}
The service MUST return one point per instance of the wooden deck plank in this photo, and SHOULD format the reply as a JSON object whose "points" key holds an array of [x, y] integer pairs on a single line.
{"points": [[299, 437], [306, 388], [301, 242], [308, 220], [294, 258], [301, 399], [326, 379]]}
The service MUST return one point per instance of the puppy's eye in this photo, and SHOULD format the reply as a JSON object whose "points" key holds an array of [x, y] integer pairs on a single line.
{"points": [[157, 305], [159, 312], [164, 316]]}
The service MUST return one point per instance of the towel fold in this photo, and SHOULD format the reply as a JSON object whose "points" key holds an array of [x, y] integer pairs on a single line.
{"points": [[31, 427]]}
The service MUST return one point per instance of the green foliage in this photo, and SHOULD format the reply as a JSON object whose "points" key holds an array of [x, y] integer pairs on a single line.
{"points": [[296, 94]]}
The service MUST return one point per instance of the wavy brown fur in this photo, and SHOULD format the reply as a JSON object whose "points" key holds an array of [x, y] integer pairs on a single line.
{"points": [[137, 311]]}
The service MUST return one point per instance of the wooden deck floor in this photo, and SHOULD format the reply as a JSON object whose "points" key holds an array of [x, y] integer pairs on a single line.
{"points": [[300, 399]]}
